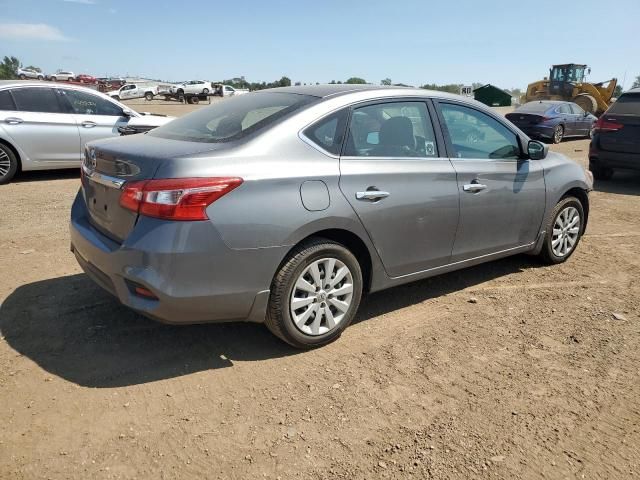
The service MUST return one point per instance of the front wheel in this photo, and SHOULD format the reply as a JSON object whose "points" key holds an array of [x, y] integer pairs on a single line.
{"points": [[116, 98], [563, 231], [22, 76], [558, 134], [315, 294]]}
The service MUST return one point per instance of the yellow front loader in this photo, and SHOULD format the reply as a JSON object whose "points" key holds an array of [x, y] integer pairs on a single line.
{"points": [[567, 82]]}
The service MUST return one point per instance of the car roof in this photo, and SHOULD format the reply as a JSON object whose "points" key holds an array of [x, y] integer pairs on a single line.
{"points": [[332, 90]]}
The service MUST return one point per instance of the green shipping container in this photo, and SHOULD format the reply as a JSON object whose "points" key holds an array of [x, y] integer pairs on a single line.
{"points": [[492, 96]]}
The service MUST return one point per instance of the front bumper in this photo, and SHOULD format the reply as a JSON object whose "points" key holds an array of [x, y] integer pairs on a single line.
{"points": [[186, 265]]}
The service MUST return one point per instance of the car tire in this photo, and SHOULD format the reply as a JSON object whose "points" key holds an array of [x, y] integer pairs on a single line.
{"points": [[8, 164], [54, 79], [40, 77], [558, 134], [148, 96], [297, 280], [70, 79], [561, 231], [22, 76], [601, 173], [205, 91]]}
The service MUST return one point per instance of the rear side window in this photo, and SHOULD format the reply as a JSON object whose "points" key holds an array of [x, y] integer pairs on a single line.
{"points": [[564, 109], [6, 102], [41, 100], [576, 109], [627, 104], [328, 132], [233, 118]]}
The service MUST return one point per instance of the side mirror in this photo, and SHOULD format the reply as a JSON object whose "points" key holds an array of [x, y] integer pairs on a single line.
{"points": [[586, 114], [127, 112], [537, 150]]}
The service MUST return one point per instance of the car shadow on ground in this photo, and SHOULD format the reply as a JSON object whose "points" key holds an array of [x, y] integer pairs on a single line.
{"points": [[74, 330], [43, 175], [623, 182]]}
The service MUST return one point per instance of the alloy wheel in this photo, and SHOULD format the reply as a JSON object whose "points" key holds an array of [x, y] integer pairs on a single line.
{"points": [[558, 133], [5, 163], [321, 296], [566, 230]]}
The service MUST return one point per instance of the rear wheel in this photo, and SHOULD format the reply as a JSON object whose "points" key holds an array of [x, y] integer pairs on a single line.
{"points": [[8, 164], [22, 76], [315, 294], [587, 102], [148, 96], [116, 97], [40, 77], [70, 79], [563, 231], [558, 134], [205, 91]]}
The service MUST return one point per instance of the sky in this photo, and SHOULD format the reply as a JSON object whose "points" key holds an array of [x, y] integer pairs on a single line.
{"points": [[506, 43]]}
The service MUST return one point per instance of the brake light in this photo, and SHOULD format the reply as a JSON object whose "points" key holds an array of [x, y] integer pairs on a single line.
{"points": [[176, 198], [603, 125]]}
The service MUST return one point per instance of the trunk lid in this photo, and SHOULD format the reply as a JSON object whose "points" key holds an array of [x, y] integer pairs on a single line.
{"points": [[524, 119], [110, 164]]}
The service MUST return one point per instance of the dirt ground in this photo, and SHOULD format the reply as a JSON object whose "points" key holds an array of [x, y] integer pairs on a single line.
{"points": [[539, 378]]}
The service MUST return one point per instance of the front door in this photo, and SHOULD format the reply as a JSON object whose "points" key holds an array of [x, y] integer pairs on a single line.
{"points": [[41, 128], [399, 182], [502, 195]]}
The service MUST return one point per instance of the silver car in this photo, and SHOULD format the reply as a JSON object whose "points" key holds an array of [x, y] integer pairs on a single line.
{"points": [[286, 205], [44, 126]]}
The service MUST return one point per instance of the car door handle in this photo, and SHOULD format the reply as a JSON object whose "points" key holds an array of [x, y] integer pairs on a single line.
{"points": [[88, 124], [371, 195], [474, 187], [13, 120]]}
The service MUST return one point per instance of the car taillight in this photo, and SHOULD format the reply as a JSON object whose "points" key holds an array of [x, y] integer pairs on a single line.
{"points": [[176, 198], [603, 125]]}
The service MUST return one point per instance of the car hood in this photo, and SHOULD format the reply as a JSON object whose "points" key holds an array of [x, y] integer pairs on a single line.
{"points": [[150, 119]]}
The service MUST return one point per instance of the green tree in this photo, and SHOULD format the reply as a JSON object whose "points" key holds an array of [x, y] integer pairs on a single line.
{"points": [[636, 84], [618, 91], [386, 81], [9, 68], [285, 82], [356, 80], [451, 88]]}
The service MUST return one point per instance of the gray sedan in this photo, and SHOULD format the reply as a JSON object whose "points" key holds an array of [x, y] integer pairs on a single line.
{"points": [[286, 206]]}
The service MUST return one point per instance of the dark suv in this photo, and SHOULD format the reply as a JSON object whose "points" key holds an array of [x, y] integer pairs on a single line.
{"points": [[615, 142]]}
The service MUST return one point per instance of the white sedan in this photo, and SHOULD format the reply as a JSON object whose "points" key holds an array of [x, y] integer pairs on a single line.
{"points": [[192, 86], [44, 126]]}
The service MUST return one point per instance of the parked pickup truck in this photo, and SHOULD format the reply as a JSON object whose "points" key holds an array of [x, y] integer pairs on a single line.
{"points": [[133, 90], [228, 90]]}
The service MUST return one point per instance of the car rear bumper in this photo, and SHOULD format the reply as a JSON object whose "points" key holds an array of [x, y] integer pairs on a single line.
{"points": [[606, 159], [538, 131], [194, 276]]}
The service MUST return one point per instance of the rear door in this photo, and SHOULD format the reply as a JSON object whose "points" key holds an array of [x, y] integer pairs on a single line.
{"points": [[96, 117], [42, 128], [582, 119], [623, 119], [502, 197], [398, 180], [568, 119]]}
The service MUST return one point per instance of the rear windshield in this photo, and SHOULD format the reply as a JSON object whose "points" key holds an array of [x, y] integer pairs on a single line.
{"points": [[627, 104], [233, 118], [535, 107]]}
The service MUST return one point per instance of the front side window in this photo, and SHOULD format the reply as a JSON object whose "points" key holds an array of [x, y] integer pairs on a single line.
{"points": [[328, 132], [83, 103], [234, 118], [43, 100], [474, 134], [393, 129]]}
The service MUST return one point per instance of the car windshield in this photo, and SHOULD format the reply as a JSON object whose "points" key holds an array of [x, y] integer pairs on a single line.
{"points": [[535, 107], [627, 104], [234, 118]]}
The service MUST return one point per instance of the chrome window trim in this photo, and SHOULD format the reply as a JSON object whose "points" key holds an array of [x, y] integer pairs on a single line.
{"points": [[102, 179]]}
